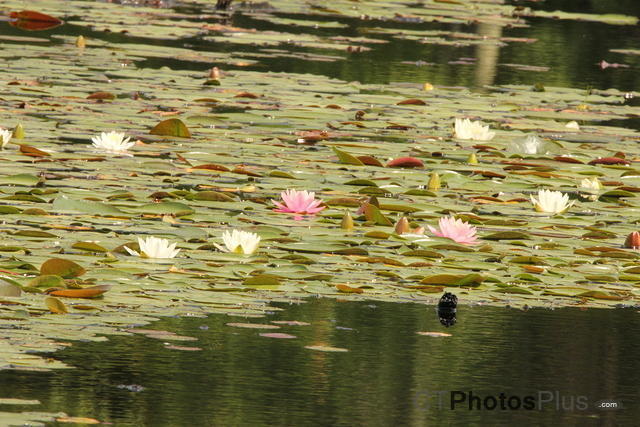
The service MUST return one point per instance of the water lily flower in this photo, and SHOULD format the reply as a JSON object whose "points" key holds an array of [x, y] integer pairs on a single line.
{"points": [[239, 242], [5, 137], [300, 202], [112, 142], [466, 129], [572, 125], [633, 240], [551, 201], [530, 145], [404, 228], [591, 184], [455, 229], [154, 247], [416, 235]]}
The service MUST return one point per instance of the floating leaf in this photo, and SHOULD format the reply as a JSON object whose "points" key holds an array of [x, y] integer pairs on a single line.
{"points": [[290, 322], [279, 335], [9, 288], [102, 96], [55, 305], [213, 196], [372, 213], [433, 334], [89, 247], [348, 289], [253, 325], [281, 174], [507, 235], [600, 295], [262, 280], [609, 161], [377, 234], [20, 179], [89, 292], [513, 290], [14, 401], [61, 267], [246, 95], [429, 289], [77, 420], [46, 281], [66, 204], [28, 150], [31, 20], [166, 208], [347, 158], [453, 280], [326, 348], [7, 210], [405, 162], [35, 233], [422, 253], [412, 101], [528, 260], [211, 166], [181, 348], [370, 161], [171, 127], [616, 194]]}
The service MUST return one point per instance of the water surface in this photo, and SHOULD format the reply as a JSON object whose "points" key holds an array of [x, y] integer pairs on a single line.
{"points": [[391, 375]]}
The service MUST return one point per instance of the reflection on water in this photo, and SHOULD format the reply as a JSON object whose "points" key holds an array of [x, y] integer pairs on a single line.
{"points": [[487, 55], [570, 49], [390, 376]]}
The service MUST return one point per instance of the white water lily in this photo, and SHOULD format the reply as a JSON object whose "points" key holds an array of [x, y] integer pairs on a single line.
{"points": [[530, 145], [551, 201], [572, 125], [466, 129], [591, 184], [154, 247], [113, 142], [5, 137], [239, 242]]}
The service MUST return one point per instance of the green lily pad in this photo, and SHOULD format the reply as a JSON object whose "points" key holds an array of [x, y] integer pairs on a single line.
{"points": [[171, 127], [61, 267]]}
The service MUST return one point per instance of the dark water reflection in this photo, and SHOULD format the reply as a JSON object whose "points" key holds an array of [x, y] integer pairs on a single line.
{"points": [[390, 376], [570, 49]]}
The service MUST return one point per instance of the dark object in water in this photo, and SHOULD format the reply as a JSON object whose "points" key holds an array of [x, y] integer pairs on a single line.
{"points": [[447, 309], [223, 4], [448, 301]]}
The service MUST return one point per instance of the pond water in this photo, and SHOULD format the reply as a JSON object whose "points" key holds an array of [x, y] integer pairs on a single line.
{"points": [[390, 375], [567, 52], [564, 361]]}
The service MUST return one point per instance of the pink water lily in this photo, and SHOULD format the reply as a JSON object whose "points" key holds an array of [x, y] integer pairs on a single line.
{"points": [[455, 229], [300, 202]]}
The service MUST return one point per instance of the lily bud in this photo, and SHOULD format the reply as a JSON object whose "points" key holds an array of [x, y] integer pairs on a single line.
{"points": [[473, 159], [18, 132], [434, 182], [214, 73], [81, 42], [633, 240], [402, 226], [347, 222]]}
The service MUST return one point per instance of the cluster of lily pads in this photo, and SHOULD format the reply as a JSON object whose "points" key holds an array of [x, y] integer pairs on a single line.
{"points": [[304, 202]]}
